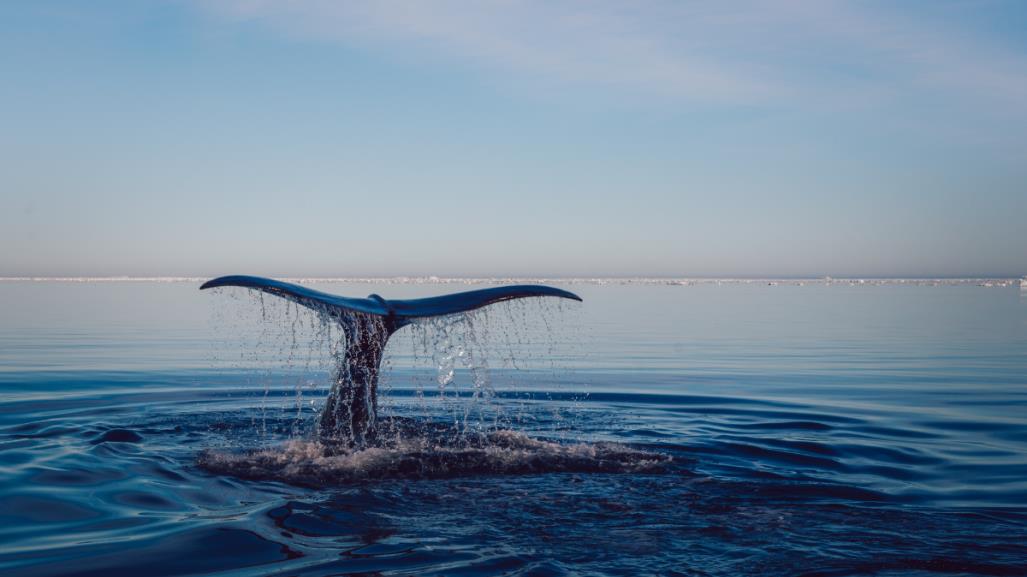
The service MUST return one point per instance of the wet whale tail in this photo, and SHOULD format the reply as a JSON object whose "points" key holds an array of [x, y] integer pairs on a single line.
{"points": [[349, 414]]}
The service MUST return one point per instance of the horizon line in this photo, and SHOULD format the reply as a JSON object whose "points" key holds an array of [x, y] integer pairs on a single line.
{"points": [[599, 279]]}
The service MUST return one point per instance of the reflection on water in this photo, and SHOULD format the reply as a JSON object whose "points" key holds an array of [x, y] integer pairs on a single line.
{"points": [[657, 430]]}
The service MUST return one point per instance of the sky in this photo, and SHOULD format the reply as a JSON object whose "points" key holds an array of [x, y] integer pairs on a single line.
{"points": [[509, 138]]}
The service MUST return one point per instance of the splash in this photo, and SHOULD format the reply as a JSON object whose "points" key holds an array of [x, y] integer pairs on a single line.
{"points": [[454, 365], [429, 456], [462, 429]]}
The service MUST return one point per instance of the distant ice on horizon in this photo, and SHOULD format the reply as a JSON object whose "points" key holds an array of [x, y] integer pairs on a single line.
{"points": [[675, 281]]}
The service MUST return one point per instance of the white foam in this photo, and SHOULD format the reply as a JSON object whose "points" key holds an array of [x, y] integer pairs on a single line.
{"points": [[505, 452]]}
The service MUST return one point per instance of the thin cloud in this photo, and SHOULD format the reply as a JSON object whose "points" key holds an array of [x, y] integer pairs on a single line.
{"points": [[739, 52], [605, 45]]}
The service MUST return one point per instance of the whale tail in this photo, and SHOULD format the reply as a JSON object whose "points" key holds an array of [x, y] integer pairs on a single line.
{"points": [[396, 312], [350, 412]]}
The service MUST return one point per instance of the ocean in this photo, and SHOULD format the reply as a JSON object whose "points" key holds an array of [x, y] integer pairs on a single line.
{"points": [[813, 428]]}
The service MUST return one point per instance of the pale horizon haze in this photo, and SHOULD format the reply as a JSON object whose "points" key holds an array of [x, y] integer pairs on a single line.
{"points": [[560, 139]]}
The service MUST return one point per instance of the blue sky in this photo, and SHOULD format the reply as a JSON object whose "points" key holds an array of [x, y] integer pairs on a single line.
{"points": [[513, 138]]}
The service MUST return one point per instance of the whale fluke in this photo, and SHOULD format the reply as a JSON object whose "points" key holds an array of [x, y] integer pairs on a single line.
{"points": [[349, 414], [401, 310]]}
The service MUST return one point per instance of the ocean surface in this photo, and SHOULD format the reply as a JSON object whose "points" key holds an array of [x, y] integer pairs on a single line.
{"points": [[825, 429]]}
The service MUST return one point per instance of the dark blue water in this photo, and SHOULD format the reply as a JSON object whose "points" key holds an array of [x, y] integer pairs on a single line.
{"points": [[150, 429]]}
